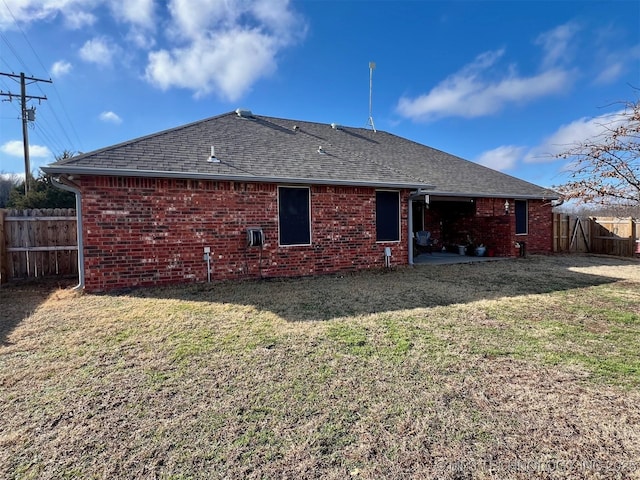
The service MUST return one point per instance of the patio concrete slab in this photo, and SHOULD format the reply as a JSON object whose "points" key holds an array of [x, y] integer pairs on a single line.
{"points": [[446, 258]]}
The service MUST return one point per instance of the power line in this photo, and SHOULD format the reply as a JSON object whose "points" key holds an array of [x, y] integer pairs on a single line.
{"points": [[27, 116], [15, 21], [4, 38], [64, 132], [35, 53], [49, 139]]}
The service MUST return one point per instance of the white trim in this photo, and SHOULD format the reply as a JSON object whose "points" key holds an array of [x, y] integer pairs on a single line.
{"points": [[115, 172]]}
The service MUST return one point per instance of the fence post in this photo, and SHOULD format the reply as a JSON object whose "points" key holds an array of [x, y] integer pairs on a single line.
{"points": [[3, 250]]}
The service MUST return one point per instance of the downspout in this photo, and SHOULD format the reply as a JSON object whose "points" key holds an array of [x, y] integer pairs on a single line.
{"points": [[64, 183], [410, 231]]}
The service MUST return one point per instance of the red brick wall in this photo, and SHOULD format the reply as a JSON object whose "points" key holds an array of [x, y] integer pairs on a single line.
{"points": [[142, 231], [502, 228], [539, 238]]}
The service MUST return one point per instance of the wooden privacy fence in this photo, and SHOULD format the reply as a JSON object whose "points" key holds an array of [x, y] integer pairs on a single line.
{"points": [[38, 243], [603, 235]]}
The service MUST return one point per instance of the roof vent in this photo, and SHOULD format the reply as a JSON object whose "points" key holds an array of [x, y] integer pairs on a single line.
{"points": [[296, 128], [321, 150], [244, 113], [336, 126], [212, 158]]}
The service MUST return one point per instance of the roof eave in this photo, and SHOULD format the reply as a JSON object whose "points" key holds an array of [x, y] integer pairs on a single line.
{"points": [[550, 196], [70, 170]]}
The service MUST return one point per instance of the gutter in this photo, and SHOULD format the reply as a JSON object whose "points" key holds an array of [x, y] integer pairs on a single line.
{"points": [[69, 170], [64, 183], [550, 196]]}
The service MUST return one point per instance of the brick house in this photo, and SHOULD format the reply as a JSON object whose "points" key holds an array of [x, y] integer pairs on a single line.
{"points": [[270, 197]]}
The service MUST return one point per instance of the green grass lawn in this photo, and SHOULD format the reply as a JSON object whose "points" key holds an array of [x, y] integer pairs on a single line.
{"points": [[526, 368]]}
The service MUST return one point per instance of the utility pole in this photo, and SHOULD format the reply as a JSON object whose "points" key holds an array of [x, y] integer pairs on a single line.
{"points": [[28, 115]]}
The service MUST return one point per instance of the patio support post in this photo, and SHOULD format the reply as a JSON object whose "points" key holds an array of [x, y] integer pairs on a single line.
{"points": [[410, 230]]}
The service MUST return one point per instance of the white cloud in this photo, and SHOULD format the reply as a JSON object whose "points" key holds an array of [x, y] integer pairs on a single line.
{"points": [[136, 12], [192, 18], [501, 158], [229, 63], [227, 46], [238, 41], [15, 148], [75, 12], [98, 50], [614, 64], [570, 135], [60, 68], [77, 19], [110, 117], [610, 73], [470, 93], [556, 44], [141, 39]]}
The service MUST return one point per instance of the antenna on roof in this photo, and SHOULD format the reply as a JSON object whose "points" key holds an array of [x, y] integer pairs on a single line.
{"points": [[372, 66]]}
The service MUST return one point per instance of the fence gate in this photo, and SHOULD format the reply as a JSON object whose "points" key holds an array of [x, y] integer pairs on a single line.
{"points": [[571, 233], [38, 243], [602, 235]]}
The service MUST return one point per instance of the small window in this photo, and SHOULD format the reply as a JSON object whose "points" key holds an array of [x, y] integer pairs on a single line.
{"points": [[522, 220], [387, 216], [294, 216]]}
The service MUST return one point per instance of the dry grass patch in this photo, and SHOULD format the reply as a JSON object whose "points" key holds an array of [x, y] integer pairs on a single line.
{"points": [[518, 369]]}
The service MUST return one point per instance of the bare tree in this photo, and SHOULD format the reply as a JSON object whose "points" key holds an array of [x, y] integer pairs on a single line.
{"points": [[605, 170], [8, 181]]}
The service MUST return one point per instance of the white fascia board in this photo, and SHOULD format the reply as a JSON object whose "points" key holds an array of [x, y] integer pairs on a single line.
{"points": [[551, 196], [70, 170]]}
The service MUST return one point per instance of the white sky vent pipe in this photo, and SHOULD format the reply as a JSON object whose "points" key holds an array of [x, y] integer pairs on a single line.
{"points": [[242, 113], [212, 158], [65, 184]]}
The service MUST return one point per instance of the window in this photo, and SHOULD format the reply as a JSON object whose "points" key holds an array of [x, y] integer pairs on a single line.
{"points": [[294, 216], [522, 220], [387, 216]]}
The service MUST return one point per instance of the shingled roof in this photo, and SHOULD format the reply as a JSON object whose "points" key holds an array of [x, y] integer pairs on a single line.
{"points": [[266, 149]]}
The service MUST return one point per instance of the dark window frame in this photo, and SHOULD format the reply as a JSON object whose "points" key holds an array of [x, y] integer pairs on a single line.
{"points": [[293, 228], [521, 209], [385, 231]]}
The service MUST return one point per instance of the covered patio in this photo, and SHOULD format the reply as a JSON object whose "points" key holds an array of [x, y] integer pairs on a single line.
{"points": [[454, 222]]}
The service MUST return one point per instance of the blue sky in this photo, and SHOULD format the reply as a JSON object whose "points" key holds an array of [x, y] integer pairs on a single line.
{"points": [[506, 84]]}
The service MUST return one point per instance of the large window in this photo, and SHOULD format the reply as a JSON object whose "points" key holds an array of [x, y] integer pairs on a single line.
{"points": [[522, 220], [387, 216], [294, 216]]}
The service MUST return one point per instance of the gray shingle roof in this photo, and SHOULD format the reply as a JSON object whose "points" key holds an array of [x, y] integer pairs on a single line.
{"points": [[272, 149]]}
